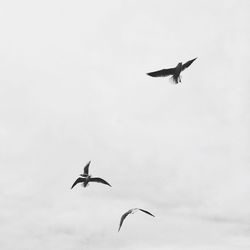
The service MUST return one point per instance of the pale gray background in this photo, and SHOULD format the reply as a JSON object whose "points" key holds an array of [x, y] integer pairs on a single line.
{"points": [[74, 89]]}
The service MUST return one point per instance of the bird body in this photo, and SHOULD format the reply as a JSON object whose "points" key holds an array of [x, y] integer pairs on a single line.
{"points": [[85, 178], [132, 211], [178, 68], [174, 72]]}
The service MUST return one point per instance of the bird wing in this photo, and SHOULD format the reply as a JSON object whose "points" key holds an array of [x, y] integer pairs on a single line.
{"points": [[146, 212], [162, 73], [123, 218], [100, 180], [187, 64], [78, 180], [86, 168]]}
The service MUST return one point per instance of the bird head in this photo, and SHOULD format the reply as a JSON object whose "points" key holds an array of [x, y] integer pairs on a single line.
{"points": [[83, 175]]}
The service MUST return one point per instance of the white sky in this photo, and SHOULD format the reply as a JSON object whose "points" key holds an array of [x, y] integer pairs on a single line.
{"points": [[74, 88]]}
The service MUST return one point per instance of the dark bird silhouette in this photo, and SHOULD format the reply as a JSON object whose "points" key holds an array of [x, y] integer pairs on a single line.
{"points": [[174, 72], [86, 178], [132, 211]]}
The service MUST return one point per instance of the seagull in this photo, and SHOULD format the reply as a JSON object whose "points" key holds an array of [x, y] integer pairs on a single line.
{"points": [[175, 72], [86, 178], [132, 211]]}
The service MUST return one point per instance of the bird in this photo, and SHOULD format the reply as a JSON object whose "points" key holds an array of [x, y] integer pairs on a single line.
{"points": [[86, 178], [175, 72], [132, 211]]}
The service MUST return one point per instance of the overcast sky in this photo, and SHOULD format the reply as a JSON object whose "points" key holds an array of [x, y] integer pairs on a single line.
{"points": [[74, 88]]}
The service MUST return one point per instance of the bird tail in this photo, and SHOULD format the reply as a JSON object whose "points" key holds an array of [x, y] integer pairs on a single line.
{"points": [[174, 79]]}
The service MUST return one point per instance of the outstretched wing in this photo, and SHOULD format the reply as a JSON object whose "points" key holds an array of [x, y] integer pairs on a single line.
{"points": [[187, 64], [86, 168], [100, 180], [123, 218], [78, 180], [162, 73], [146, 212]]}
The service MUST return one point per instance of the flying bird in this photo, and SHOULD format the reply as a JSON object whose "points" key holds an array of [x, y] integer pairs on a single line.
{"points": [[173, 72], [86, 178], [132, 211]]}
